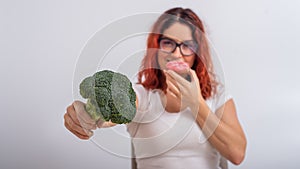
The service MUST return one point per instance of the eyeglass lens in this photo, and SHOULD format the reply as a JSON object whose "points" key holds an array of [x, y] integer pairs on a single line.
{"points": [[169, 46]]}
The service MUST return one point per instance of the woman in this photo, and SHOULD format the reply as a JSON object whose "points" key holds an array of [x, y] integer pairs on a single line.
{"points": [[174, 111]]}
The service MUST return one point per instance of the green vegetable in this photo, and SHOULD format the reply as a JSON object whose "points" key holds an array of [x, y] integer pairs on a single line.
{"points": [[110, 96]]}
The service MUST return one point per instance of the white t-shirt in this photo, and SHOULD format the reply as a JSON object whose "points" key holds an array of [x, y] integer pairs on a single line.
{"points": [[170, 140]]}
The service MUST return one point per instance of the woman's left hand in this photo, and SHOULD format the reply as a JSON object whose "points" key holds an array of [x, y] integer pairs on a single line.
{"points": [[188, 92]]}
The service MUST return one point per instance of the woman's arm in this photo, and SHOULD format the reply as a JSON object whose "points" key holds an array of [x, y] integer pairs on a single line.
{"points": [[79, 122], [223, 130]]}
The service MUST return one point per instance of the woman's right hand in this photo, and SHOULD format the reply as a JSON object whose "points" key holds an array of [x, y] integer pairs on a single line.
{"points": [[79, 122]]}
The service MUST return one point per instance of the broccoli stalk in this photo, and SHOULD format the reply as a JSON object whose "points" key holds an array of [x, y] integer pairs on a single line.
{"points": [[110, 96]]}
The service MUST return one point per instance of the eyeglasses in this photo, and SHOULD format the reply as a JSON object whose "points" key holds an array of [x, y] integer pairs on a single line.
{"points": [[168, 45]]}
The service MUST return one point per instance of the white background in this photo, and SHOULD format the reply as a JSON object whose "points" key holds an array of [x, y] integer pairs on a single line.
{"points": [[257, 42]]}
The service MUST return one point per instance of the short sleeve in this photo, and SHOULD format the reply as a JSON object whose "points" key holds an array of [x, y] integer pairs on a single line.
{"points": [[223, 96], [143, 101], [219, 99], [142, 95]]}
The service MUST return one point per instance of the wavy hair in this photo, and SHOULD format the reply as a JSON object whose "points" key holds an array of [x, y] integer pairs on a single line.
{"points": [[151, 77]]}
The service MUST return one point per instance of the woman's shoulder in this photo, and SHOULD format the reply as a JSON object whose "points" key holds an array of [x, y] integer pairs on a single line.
{"points": [[140, 90], [219, 98], [142, 95]]}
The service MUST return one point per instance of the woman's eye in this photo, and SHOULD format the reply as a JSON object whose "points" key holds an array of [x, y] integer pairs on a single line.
{"points": [[190, 45], [168, 43], [185, 46]]}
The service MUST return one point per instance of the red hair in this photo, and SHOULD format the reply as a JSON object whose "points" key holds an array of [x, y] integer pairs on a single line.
{"points": [[152, 77]]}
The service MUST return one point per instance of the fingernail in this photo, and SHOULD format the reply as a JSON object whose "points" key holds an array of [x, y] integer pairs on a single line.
{"points": [[90, 133]]}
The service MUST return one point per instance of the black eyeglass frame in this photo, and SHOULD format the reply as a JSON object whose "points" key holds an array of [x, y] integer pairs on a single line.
{"points": [[179, 45]]}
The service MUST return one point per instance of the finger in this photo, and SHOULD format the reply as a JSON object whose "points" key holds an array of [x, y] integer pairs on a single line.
{"points": [[82, 114], [172, 82], [84, 137], [74, 128], [108, 124], [77, 120], [105, 124], [171, 79], [73, 115], [173, 89], [79, 129], [172, 94], [183, 86], [179, 79], [194, 79], [100, 123], [193, 75]]}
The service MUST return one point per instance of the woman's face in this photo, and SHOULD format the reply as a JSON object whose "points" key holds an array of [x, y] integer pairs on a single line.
{"points": [[179, 33]]}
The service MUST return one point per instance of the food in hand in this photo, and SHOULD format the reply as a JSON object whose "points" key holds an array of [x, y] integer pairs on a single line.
{"points": [[179, 67], [110, 97]]}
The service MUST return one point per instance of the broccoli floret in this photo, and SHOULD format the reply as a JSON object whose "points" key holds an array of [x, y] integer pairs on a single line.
{"points": [[110, 97], [87, 88]]}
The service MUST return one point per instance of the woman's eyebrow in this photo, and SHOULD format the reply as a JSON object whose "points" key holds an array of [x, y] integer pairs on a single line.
{"points": [[175, 40]]}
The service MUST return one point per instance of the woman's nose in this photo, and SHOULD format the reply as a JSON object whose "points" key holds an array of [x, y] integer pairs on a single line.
{"points": [[177, 52]]}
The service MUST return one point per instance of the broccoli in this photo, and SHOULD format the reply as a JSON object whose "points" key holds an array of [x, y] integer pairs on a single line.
{"points": [[110, 96]]}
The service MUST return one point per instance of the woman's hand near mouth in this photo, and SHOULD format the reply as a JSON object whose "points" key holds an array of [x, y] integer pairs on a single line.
{"points": [[180, 67]]}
